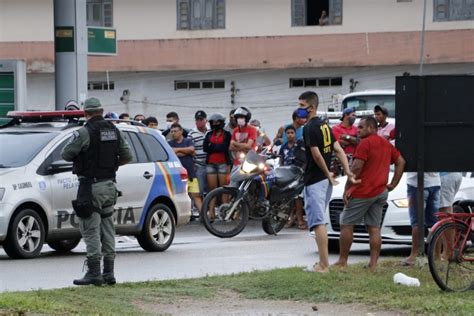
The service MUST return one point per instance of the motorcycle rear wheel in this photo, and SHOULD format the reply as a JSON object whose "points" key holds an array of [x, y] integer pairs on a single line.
{"points": [[215, 208]]}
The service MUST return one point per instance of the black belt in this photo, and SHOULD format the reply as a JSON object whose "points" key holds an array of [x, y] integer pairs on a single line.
{"points": [[96, 180]]}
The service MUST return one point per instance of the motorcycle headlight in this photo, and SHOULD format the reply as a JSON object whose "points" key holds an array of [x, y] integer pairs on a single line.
{"points": [[2, 193], [248, 167], [401, 203]]}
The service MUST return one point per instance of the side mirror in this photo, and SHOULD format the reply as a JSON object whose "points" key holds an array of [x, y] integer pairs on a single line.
{"points": [[59, 166]]}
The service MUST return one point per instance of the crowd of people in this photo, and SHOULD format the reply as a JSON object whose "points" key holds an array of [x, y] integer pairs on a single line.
{"points": [[363, 152]]}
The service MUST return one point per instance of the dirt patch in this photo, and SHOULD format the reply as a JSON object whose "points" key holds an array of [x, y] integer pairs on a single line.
{"points": [[235, 305]]}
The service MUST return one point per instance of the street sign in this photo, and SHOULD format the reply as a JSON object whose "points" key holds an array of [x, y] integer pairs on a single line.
{"points": [[435, 123], [102, 41], [64, 39]]}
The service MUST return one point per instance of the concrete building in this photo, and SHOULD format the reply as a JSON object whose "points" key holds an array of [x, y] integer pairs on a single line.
{"points": [[185, 55]]}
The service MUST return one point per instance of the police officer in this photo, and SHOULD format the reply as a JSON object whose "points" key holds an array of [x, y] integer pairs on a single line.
{"points": [[97, 149]]}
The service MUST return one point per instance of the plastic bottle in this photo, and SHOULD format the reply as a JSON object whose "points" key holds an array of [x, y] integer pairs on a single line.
{"points": [[400, 278]]}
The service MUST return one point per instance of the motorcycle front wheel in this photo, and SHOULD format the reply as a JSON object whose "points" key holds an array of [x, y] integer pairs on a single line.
{"points": [[272, 224], [222, 214]]}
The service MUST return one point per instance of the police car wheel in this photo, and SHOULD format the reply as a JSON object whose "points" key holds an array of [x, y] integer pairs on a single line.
{"points": [[158, 232], [25, 235], [64, 245]]}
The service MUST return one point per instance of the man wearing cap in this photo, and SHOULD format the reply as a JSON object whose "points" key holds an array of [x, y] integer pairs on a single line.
{"points": [[197, 134], [299, 120], [384, 128], [97, 150], [346, 135]]}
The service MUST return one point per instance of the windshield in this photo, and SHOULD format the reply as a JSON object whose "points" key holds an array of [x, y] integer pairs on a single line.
{"points": [[368, 102], [19, 148]]}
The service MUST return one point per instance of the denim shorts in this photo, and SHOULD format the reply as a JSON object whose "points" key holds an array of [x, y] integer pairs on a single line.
{"points": [[430, 204], [217, 169], [316, 201]]}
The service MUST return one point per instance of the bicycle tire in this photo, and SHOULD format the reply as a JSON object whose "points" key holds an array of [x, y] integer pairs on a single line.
{"points": [[447, 267], [218, 226]]}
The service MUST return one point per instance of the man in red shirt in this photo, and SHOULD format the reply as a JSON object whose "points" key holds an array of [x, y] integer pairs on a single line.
{"points": [[244, 137], [365, 200], [346, 132]]}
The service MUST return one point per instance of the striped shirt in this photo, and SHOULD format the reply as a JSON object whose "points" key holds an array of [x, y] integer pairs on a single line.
{"points": [[198, 139]]}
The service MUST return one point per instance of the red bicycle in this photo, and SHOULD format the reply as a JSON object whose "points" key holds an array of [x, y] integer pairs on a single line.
{"points": [[451, 249]]}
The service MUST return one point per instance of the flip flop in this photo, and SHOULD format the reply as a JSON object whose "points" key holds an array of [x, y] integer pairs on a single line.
{"points": [[406, 263]]}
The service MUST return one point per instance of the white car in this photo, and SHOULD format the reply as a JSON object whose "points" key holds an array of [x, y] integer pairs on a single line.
{"points": [[37, 186], [396, 227]]}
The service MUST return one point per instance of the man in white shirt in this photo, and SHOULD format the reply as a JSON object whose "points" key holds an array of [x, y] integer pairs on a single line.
{"points": [[384, 127]]}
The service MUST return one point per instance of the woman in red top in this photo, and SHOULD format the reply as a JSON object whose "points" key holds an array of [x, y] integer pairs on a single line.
{"points": [[216, 145]]}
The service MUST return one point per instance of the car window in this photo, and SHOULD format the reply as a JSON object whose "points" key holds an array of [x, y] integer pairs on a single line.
{"points": [[126, 136], [56, 154], [141, 154], [368, 102], [19, 148], [153, 147]]}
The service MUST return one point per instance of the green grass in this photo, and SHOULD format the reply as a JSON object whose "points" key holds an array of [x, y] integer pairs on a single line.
{"points": [[351, 285]]}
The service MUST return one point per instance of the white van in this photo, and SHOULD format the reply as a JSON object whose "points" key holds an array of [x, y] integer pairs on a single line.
{"points": [[367, 100]]}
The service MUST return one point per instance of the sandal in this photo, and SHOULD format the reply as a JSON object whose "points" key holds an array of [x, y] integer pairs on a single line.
{"points": [[407, 263], [302, 226], [317, 268], [290, 223]]}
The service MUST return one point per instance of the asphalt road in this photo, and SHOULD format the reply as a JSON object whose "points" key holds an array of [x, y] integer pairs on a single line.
{"points": [[194, 253]]}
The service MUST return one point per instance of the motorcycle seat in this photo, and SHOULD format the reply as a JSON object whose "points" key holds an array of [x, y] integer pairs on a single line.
{"points": [[286, 174]]}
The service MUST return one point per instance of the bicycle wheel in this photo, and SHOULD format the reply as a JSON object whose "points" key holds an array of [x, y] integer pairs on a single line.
{"points": [[446, 257], [221, 216]]}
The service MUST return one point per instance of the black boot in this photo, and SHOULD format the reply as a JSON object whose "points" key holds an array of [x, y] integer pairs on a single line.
{"points": [[93, 275], [108, 274]]}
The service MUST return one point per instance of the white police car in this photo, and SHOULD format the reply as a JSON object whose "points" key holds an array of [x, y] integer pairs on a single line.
{"points": [[396, 227], [37, 186]]}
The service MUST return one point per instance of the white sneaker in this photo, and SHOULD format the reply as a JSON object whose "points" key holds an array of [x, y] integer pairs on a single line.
{"points": [[312, 234]]}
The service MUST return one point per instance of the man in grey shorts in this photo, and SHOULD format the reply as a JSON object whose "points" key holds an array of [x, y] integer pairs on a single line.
{"points": [[450, 184], [365, 200]]}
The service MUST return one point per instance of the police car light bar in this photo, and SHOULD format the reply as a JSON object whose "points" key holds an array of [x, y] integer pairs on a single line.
{"points": [[32, 116]]}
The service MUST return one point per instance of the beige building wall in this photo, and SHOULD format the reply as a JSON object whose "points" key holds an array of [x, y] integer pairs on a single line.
{"points": [[32, 20]]}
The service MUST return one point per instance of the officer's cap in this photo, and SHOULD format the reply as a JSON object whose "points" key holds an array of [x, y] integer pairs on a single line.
{"points": [[92, 105]]}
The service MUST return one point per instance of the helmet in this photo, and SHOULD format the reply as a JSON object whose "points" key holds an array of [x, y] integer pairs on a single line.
{"points": [[243, 111], [111, 115], [217, 120]]}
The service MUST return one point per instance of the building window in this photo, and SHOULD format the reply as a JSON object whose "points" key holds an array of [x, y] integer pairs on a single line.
{"points": [[198, 84], [99, 13], [453, 10], [316, 12], [200, 14], [315, 82], [100, 85]]}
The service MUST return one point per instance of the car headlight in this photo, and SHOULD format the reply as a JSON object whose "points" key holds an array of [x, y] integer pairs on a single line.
{"points": [[402, 203], [248, 167], [2, 193]]}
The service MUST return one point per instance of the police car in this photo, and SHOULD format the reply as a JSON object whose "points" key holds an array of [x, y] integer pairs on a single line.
{"points": [[395, 227], [37, 186]]}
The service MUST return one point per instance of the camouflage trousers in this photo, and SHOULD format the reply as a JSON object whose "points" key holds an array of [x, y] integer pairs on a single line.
{"points": [[98, 230]]}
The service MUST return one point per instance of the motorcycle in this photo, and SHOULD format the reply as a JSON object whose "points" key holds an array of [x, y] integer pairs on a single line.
{"points": [[266, 193]]}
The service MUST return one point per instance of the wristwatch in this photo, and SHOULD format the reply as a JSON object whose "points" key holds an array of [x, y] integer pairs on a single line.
{"points": [[348, 137]]}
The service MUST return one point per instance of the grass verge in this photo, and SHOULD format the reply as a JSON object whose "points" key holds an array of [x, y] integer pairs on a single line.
{"points": [[351, 285]]}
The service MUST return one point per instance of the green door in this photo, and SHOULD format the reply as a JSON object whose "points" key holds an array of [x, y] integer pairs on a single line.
{"points": [[7, 93]]}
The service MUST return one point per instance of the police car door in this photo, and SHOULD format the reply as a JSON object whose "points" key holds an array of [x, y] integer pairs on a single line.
{"points": [[134, 181], [64, 186]]}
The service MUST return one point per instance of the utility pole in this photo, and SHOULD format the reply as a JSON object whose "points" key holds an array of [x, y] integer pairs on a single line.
{"points": [[233, 93], [70, 45]]}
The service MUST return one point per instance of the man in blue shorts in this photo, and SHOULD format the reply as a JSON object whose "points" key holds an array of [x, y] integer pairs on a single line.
{"points": [[320, 144]]}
